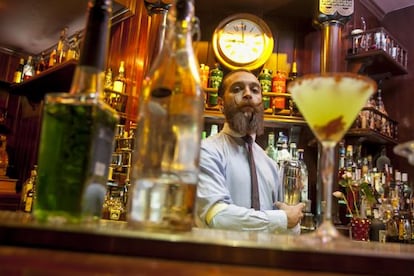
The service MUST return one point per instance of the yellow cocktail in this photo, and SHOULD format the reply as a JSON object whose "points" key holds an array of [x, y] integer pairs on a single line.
{"points": [[330, 103]]}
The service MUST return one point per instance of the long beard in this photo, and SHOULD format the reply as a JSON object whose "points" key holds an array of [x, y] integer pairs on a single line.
{"points": [[245, 122]]}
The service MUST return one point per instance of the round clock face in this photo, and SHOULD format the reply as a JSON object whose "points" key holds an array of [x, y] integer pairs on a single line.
{"points": [[242, 40]]}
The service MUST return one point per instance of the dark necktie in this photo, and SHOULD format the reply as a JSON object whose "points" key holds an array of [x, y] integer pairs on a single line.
{"points": [[253, 176]]}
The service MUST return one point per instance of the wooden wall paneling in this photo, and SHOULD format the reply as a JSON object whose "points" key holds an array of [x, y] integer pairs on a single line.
{"points": [[129, 43], [398, 91], [13, 106], [8, 64], [26, 140], [138, 47]]}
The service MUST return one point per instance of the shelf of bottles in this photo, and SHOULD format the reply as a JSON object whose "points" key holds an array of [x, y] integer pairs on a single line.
{"points": [[54, 79], [375, 126], [373, 189], [117, 100], [379, 50], [373, 122], [114, 207]]}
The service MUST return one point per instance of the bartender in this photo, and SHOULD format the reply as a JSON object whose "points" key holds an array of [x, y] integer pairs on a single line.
{"points": [[234, 192]]}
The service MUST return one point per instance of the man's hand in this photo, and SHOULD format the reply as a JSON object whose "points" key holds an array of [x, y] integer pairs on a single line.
{"points": [[294, 213]]}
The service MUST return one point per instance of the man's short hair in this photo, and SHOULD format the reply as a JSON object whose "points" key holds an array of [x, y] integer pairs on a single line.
{"points": [[222, 88]]}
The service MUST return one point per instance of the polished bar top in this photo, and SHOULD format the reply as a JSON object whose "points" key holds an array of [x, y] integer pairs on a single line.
{"points": [[255, 249]]}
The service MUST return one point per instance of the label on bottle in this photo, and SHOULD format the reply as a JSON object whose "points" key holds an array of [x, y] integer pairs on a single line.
{"points": [[382, 236], [29, 202], [279, 83], [216, 76], [17, 77], [114, 214], [119, 86]]}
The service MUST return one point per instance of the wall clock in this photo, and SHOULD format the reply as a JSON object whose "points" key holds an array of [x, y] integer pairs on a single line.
{"points": [[242, 40]]}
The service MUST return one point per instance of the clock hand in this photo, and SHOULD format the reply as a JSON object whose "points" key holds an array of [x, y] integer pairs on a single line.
{"points": [[243, 26], [233, 40]]}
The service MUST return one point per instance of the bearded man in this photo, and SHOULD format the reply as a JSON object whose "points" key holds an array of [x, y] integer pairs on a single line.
{"points": [[227, 197]]}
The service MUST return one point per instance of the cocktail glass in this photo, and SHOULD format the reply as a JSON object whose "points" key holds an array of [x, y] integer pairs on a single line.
{"points": [[330, 103]]}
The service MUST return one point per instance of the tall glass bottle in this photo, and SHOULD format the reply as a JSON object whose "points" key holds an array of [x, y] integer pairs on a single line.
{"points": [[119, 82], [165, 171], [28, 189], [62, 46], [270, 149], [28, 69], [78, 133], [18, 74]]}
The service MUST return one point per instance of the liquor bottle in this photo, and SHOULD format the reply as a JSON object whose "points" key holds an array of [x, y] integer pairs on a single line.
{"points": [[342, 214], [62, 46], [279, 86], [204, 71], [73, 51], [265, 79], [293, 75], [77, 136], [108, 79], [119, 82], [28, 69], [213, 129], [165, 171], [378, 228], [270, 149], [41, 64], [215, 78], [52, 59], [18, 74], [304, 176], [28, 191], [392, 227]]}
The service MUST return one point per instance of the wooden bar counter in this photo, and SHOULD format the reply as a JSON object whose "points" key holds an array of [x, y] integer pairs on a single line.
{"points": [[112, 248]]}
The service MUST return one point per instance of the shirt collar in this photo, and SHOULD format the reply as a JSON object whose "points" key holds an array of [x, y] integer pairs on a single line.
{"points": [[227, 130]]}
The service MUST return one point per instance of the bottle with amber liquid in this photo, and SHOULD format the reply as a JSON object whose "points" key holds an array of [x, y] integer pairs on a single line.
{"points": [[78, 131], [52, 59], [170, 121], [41, 64], [28, 191], [62, 46], [293, 75], [18, 74], [119, 83], [279, 87]]}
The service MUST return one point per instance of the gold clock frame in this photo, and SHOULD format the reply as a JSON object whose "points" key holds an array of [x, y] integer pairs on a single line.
{"points": [[234, 64]]}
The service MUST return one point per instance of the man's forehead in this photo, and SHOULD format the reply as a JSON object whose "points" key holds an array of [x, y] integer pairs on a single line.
{"points": [[243, 77]]}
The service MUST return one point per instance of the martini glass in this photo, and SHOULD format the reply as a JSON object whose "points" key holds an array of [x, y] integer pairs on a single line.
{"points": [[330, 103]]}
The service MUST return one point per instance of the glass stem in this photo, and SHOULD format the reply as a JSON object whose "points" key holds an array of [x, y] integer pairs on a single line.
{"points": [[327, 173]]}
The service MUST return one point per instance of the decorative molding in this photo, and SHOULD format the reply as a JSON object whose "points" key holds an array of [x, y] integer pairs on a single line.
{"points": [[377, 11]]}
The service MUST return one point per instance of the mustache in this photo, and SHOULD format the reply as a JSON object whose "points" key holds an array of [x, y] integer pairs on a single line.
{"points": [[250, 104]]}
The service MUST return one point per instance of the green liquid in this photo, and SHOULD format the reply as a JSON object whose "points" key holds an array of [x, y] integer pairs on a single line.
{"points": [[330, 103], [74, 155]]}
